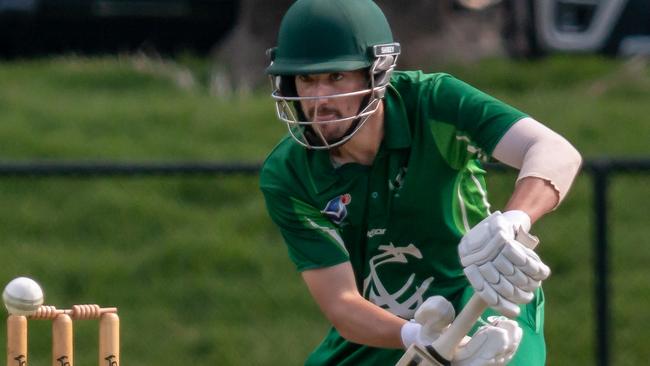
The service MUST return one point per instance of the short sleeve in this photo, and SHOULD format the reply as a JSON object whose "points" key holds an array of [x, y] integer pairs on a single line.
{"points": [[466, 122], [312, 240]]}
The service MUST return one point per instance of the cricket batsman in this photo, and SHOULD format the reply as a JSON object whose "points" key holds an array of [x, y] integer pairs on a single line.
{"points": [[380, 196]]}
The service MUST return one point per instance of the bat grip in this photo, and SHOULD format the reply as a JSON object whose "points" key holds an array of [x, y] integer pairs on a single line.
{"points": [[446, 344]]}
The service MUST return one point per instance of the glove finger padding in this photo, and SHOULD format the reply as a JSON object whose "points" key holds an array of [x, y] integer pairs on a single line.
{"points": [[525, 260], [482, 248], [512, 273], [430, 320], [435, 314], [490, 295], [493, 344], [515, 334], [508, 287]]}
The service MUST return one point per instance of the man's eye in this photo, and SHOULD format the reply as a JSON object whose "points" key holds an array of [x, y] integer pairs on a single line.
{"points": [[336, 76], [304, 78]]}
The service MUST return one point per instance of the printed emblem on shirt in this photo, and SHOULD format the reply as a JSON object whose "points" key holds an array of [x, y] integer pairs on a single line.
{"points": [[336, 209], [405, 301]]}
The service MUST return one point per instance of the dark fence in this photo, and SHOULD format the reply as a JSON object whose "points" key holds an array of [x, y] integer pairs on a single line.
{"points": [[601, 170], [45, 168]]}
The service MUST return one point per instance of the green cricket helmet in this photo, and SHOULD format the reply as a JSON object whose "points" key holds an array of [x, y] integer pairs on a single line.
{"points": [[324, 36]]}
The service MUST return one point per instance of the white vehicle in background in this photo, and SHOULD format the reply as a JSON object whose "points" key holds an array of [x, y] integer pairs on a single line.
{"points": [[536, 27], [614, 27]]}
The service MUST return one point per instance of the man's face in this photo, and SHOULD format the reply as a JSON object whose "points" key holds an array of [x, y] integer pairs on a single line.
{"points": [[324, 109]]}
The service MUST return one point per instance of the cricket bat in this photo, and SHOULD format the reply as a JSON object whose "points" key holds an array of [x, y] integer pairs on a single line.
{"points": [[441, 351]]}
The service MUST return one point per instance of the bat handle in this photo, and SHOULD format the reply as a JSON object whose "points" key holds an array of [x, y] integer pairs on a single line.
{"points": [[446, 344]]}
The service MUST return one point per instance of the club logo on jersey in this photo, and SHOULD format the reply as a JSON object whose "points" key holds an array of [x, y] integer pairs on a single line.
{"points": [[406, 300], [336, 209]]}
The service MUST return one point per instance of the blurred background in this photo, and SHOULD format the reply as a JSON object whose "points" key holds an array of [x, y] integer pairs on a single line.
{"points": [[131, 132]]}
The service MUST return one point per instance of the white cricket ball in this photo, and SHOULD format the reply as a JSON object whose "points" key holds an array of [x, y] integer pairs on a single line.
{"points": [[22, 296]]}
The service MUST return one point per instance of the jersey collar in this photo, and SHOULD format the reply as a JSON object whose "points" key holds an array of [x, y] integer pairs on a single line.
{"points": [[397, 132], [323, 173]]}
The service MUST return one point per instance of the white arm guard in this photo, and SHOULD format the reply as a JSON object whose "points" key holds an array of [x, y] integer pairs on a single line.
{"points": [[539, 152]]}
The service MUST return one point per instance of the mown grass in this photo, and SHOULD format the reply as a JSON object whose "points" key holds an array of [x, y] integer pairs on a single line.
{"points": [[199, 272]]}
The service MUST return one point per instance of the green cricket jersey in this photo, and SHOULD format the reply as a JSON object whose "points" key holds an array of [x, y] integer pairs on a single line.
{"points": [[399, 221]]}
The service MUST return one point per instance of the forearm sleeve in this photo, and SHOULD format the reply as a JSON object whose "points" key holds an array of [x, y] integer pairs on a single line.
{"points": [[537, 151]]}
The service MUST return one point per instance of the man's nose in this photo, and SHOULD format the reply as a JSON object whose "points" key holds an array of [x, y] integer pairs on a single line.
{"points": [[318, 92], [322, 89]]}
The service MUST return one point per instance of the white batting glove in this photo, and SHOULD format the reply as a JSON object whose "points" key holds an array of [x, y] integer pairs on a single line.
{"points": [[500, 263], [432, 317], [491, 345]]}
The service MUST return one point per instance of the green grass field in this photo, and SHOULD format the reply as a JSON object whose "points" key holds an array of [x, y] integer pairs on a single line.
{"points": [[197, 269]]}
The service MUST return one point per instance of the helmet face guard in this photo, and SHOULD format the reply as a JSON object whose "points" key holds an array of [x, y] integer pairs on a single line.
{"points": [[306, 132]]}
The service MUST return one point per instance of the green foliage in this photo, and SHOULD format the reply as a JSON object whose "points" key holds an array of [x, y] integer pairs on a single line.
{"points": [[197, 269]]}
